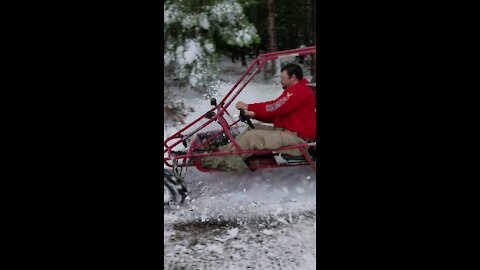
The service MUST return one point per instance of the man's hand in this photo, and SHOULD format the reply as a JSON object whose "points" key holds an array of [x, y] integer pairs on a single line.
{"points": [[241, 105], [250, 114]]}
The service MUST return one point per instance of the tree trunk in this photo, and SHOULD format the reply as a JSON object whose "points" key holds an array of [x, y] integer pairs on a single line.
{"points": [[242, 57], [272, 46]]}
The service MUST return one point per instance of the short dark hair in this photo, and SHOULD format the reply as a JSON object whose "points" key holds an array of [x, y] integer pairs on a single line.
{"points": [[293, 69]]}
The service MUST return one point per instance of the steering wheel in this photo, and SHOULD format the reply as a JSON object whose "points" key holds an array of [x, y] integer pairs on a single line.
{"points": [[244, 118]]}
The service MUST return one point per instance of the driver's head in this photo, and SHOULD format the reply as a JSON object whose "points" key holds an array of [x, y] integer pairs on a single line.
{"points": [[290, 75]]}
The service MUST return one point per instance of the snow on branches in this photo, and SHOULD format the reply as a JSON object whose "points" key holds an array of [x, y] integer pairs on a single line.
{"points": [[191, 35]]}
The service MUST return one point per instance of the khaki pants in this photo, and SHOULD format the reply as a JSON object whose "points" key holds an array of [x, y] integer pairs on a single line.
{"points": [[265, 137]]}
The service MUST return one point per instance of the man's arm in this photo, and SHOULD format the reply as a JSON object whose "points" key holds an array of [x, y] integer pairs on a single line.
{"points": [[283, 105]]}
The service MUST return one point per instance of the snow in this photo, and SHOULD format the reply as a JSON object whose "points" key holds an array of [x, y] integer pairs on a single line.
{"points": [[209, 47], [232, 233], [188, 53], [259, 220], [203, 21], [262, 227], [227, 11], [171, 14], [268, 232], [192, 52]]}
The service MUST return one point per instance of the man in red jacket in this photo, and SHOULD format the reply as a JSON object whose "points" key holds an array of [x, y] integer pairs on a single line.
{"points": [[293, 115]]}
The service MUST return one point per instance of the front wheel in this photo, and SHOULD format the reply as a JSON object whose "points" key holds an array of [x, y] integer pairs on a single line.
{"points": [[174, 189]]}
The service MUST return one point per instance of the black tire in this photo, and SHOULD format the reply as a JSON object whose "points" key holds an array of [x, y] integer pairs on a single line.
{"points": [[174, 189]]}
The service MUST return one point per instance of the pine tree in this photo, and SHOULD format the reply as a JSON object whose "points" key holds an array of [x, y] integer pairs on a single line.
{"points": [[194, 29]]}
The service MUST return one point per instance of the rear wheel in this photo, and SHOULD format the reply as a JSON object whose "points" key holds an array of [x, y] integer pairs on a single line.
{"points": [[174, 189]]}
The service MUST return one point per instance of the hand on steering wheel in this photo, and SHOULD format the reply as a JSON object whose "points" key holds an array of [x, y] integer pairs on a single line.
{"points": [[244, 118]]}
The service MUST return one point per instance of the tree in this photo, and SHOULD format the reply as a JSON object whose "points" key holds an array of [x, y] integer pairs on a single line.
{"points": [[272, 43], [194, 29], [293, 25]]}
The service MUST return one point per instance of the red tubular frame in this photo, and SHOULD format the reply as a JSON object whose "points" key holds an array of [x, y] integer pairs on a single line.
{"points": [[221, 107]]}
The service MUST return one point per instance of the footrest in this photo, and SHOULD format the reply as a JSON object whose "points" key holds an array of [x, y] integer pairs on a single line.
{"points": [[293, 158], [285, 159]]}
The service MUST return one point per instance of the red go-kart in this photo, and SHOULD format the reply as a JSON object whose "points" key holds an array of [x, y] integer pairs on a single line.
{"points": [[197, 141]]}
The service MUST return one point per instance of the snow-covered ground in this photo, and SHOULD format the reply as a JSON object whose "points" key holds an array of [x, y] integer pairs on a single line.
{"points": [[259, 220]]}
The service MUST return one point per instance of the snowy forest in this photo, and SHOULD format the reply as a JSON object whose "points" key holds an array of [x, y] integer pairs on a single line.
{"points": [[199, 34], [263, 219]]}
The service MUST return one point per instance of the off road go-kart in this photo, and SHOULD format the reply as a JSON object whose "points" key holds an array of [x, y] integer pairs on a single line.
{"points": [[199, 141]]}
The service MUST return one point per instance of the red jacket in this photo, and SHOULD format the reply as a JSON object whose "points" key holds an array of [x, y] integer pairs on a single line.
{"points": [[293, 110]]}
